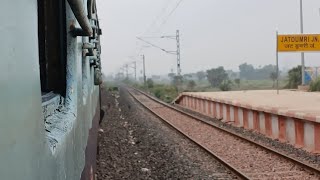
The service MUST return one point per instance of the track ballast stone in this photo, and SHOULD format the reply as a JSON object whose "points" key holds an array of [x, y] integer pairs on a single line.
{"points": [[135, 144], [254, 161]]}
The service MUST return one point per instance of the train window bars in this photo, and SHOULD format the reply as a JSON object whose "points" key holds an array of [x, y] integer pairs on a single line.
{"points": [[52, 45]]}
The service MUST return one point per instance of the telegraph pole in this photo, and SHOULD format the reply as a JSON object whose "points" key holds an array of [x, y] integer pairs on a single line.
{"points": [[302, 54], [134, 67], [178, 53], [144, 70]]}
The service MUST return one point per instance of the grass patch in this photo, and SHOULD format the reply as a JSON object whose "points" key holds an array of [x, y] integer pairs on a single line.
{"points": [[315, 85], [166, 93], [259, 85], [266, 84]]}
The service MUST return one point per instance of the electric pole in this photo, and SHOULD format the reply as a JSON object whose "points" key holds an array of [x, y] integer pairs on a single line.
{"points": [[134, 67], [144, 70], [302, 54], [178, 53]]}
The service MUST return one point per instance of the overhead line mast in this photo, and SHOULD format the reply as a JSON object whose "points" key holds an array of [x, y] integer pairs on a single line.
{"points": [[177, 52]]}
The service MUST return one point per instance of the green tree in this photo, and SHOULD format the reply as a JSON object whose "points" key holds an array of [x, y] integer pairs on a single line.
{"points": [[265, 71], [295, 77], [225, 85], [191, 84], [177, 81], [201, 75], [237, 81], [171, 76], [150, 83], [315, 85], [246, 71], [273, 77], [232, 75], [187, 76], [216, 76]]}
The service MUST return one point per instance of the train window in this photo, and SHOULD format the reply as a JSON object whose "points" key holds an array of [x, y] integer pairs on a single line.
{"points": [[52, 45]]}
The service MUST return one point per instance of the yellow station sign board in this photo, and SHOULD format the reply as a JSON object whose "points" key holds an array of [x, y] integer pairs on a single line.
{"points": [[299, 43]]}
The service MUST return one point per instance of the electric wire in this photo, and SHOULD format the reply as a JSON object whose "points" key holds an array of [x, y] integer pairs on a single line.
{"points": [[164, 21], [164, 9], [170, 14]]}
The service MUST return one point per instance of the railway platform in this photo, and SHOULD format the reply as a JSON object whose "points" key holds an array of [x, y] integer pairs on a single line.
{"points": [[290, 116]]}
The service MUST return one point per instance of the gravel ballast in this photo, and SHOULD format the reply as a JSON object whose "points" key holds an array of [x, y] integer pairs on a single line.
{"points": [[285, 148], [252, 160], [134, 144]]}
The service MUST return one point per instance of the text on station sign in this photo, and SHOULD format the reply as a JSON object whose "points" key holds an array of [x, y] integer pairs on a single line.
{"points": [[299, 43]]}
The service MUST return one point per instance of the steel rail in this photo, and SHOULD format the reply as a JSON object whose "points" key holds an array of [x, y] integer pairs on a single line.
{"points": [[229, 166], [296, 161]]}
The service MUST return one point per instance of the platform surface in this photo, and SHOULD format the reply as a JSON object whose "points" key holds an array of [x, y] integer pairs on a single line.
{"points": [[305, 105]]}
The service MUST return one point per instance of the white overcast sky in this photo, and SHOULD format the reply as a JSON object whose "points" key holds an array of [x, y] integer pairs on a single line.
{"points": [[213, 32]]}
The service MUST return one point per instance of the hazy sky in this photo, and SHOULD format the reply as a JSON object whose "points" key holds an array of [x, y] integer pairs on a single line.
{"points": [[213, 32]]}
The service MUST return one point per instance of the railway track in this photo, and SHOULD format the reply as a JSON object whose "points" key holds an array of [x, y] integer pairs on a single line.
{"points": [[247, 159]]}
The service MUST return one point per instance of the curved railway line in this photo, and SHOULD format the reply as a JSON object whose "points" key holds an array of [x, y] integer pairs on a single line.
{"points": [[244, 157]]}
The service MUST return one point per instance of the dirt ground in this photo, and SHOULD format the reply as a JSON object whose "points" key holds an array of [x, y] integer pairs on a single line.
{"points": [[135, 144]]}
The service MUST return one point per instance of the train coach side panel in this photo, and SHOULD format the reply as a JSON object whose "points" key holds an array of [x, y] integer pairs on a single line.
{"points": [[31, 149], [21, 126]]}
